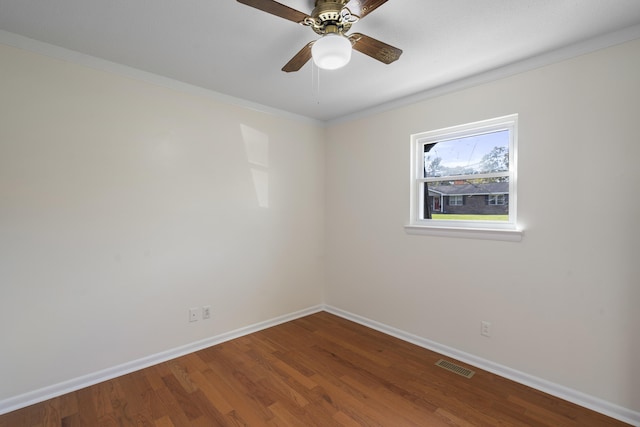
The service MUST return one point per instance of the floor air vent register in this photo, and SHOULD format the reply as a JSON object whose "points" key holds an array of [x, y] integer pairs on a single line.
{"points": [[467, 373]]}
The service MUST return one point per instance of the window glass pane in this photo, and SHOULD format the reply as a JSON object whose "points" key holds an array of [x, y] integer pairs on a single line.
{"points": [[484, 199], [483, 153]]}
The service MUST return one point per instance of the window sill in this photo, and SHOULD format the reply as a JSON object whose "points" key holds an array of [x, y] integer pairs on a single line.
{"points": [[506, 235]]}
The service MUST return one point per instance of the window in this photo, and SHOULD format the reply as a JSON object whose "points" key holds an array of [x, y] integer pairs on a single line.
{"points": [[464, 177], [496, 199], [455, 200]]}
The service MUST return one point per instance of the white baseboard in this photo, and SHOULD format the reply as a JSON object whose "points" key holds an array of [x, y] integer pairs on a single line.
{"points": [[574, 396], [49, 392]]}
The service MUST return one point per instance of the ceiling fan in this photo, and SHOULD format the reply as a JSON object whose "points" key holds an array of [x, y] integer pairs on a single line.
{"points": [[331, 19]]}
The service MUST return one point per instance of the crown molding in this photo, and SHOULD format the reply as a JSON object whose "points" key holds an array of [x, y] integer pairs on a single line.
{"points": [[531, 63], [67, 55], [551, 57]]}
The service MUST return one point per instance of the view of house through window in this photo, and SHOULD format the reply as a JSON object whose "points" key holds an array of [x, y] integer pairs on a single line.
{"points": [[453, 189], [465, 174]]}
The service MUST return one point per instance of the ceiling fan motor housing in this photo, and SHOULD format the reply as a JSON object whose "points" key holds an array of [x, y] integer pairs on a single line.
{"points": [[328, 17]]}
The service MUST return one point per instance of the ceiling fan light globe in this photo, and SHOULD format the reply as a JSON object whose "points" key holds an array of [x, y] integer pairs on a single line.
{"points": [[331, 52]]}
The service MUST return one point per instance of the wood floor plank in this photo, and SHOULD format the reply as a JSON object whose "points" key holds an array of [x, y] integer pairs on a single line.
{"points": [[344, 400], [169, 405], [210, 414], [320, 370], [72, 420], [181, 374], [286, 372], [394, 404], [182, 398], [345, 420], [164, 422], [246, 409], [52, 413], [213, 393]]}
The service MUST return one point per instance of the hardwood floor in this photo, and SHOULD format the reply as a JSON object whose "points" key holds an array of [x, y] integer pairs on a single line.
{"points": [[319, 370]]}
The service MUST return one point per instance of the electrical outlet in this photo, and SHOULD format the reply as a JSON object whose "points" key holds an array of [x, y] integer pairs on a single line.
{"points": [[485, 328], [206, 312], [193, 314]]}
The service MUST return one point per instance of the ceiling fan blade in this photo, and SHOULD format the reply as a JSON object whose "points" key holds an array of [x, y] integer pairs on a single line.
{"points": [[361, 8], [375, 48], [278, 9], [299, 59]]}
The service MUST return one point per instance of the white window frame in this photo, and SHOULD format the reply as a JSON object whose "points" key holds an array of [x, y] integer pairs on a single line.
{"points": [[496, 230]]}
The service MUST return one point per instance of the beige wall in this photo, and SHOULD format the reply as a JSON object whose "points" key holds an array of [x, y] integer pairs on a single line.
{"points": [[122, 204], [563, 302]]}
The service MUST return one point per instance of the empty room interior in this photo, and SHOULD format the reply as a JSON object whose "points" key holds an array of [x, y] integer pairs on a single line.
{"points": [[177, 177]]}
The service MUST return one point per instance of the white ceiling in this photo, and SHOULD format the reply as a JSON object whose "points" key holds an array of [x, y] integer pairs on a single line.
{"points": [[236, 50]]}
